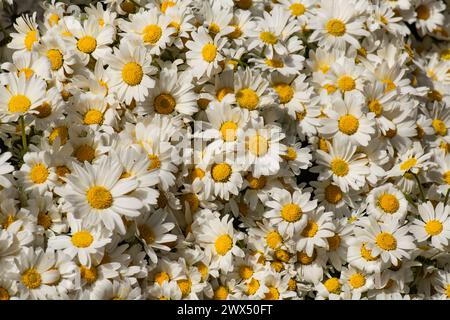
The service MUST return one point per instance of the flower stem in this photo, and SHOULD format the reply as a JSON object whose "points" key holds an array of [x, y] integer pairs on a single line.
{"points": [[24, 136], [422, 194]]}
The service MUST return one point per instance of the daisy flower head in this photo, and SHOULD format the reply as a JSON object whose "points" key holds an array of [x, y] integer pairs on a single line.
{"points": [[387, 200], [27, 35]]}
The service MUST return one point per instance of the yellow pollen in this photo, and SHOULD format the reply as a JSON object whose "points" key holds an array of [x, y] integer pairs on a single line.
{"points": [[19, 103], [221, 172], [56, 59], [30, 39], [390, 85], [330, 88], [132, 73], [277, 265], [348, 124], [221, 293], [245, 272], [323, 145], [151, 33], [164, 103], [273, 294], [274, 63], [93, 117], [439, 127], [223, 244], [228, 131], [333, 194], [324, 67], [297, 9], [389, 203], [236, 32], [209, 52], [258, 145], [88, 274], [154, 162], [292, 285], [284, 91], [61, 171], [39, 173], [87, 44], [44, 220], [408, 164], [101, 22], [192, 200], [166, 4], [27, 71], [268, 37], [333, 285], [4, 294], [85, 153], [376, 107], [82, 239], [222, 92], [256, 183], [53, 19], [99, 197], [61, 132], [433, 227], [252, 286], [203, 269], [31, 278], [185, 286], [447, 291], [339, 167], [346, 83], [44, 110], [290, 155], [386, 241], [247, 99], [176, 26], [367, 253], [446, 177], [357, 280], [304, 259], [291, 212], [146, 233], [310, 229], [273, 239], [197, 173], [214, 28], [334, 242], [10, 219], [282, 255], [423, 12], [335, 27], [383, 20]]}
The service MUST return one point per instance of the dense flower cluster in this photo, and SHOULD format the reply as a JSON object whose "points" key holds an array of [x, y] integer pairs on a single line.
{"points": [[226, 149]]}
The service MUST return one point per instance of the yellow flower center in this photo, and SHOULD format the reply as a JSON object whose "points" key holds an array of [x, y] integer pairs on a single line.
{"points": [[44, 220], [273, 239], [39, 173], [439, 127], [252, 286], [268, 37], [87, 44], [423, 12], [228, 131], [408, 164], [88, 274], [236, 32], [19, 103], [8, 221], [185, 286], [222, 92], [334, 242], [27, 71], [310, 229], [333, 285], [245, 272], [367, 253], [223, 244], [214, 28], [166, 4], [272, 294], [274, 63], [388, 202], [284, 91], [221, 172], [290, 155], [164, 103], [346, 83], [82, 239], [146, 233], [333, 194], [376, 107], [386, 241], [44, 110], [132, 73], [446, 177], [434, 95], [247, 99], [61, 132], [154, 162], [53, 19], [383, 20], [335, 27], [221, 293], [357, 280], [99, 197], [390, 85], [161, 277], [93, 117], [297, 9], [339, 167], [56, 59], [209, 52], [256, 183], [4, 294], [30, 39], [84, 153], [433, 227], [447, 291], [258, 145], [31, 278], [151, 33], [291, 212], [304, 259]]}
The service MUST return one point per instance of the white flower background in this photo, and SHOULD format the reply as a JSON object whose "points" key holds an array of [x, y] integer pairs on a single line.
{"points": [[225, 149]]}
